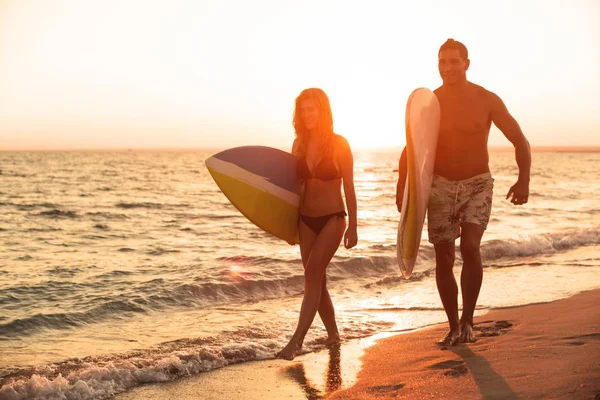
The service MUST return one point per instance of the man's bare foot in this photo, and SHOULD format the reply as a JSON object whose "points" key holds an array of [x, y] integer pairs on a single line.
{"points": [[289, 352], [332, 340], [450, 339], [466, 334]]}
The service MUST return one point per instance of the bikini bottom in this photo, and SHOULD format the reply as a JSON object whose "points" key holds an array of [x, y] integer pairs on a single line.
{"points": [[316, 224]]}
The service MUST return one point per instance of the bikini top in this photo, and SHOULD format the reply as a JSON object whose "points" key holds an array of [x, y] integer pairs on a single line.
{"points": [[324, 171]]}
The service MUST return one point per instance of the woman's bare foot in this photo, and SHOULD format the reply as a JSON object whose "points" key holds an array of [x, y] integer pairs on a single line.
{"points": [[332, 340], [289, 352], [466, 334], [451, 338]]}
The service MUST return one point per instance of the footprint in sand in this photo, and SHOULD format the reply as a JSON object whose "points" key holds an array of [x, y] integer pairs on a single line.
{"points": [[583, 339], [492, 328], [385, 389], [454, 368]]}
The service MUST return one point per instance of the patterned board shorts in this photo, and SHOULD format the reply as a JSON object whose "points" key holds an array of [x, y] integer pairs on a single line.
{"points": [[453, 202]]}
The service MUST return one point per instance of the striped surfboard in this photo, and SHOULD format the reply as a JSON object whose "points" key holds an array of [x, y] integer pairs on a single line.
{"points": [[261, 183]]}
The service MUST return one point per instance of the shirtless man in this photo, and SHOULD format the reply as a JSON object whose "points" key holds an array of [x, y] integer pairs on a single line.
{"points": [[461, 196]]}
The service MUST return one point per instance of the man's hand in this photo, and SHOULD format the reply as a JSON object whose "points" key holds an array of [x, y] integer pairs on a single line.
{"points": [[519, 193]]}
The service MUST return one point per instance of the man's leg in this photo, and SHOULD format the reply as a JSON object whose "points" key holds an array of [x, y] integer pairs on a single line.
{"points": [[471, 276], [474, 220], [447, 288], [443, 229]]}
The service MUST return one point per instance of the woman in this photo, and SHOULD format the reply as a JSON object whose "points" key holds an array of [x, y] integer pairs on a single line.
{"points": [[324, 163]]}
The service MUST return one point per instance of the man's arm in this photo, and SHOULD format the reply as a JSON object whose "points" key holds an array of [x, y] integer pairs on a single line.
{"points": [[402, 170], [519, 192]]}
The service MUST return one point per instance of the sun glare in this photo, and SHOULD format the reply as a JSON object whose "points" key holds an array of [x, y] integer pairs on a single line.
{"points": [[369, 125], [235, 270]]}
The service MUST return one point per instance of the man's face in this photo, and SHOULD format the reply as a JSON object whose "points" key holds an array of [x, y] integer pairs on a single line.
{"points": [[453, 67]]}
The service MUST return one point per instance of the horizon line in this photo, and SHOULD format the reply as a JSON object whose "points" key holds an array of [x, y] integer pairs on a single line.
{"points": [[544, 148]]}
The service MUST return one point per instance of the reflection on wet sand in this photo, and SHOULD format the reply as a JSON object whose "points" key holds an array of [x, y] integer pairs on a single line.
{"points": [[332, 378]]}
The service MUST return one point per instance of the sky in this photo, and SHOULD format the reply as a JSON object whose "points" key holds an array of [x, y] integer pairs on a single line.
{"points": [[85, 74]]}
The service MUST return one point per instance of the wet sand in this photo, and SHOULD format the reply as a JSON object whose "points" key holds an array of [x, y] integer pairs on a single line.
{"points": [[540, 351]]}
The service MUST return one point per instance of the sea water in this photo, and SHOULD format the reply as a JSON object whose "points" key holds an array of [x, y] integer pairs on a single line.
{"points": [[123, 268]]}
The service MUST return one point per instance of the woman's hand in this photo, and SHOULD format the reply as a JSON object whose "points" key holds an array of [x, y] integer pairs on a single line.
{"points": [[350, 237]]}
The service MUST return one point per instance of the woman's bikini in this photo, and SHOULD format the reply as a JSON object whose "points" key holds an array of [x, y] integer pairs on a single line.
{"points": [[324, 171]]}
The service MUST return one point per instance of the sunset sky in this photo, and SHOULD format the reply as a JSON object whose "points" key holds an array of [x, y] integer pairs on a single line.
{"points": [[223, 73]]}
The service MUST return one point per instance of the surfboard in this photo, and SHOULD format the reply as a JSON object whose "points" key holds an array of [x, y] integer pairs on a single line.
{"points": [[422, 125], [261, 183]]}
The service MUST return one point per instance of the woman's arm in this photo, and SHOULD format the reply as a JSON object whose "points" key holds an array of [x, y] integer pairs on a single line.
{"points": [[347, 169]]}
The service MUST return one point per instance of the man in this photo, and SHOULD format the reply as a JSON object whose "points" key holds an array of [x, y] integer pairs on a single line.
{"points": [[461, 195]]}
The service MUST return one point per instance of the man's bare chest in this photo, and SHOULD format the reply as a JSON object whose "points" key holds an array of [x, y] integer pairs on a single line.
{"points": [[464, 117]]}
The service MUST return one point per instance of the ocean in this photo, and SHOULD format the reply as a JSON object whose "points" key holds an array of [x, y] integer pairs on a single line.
{"points": [[130, 267]]}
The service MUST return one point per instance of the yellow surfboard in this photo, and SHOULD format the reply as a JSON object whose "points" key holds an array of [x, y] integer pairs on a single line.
{"points": [[261, 183], [422, 129]]}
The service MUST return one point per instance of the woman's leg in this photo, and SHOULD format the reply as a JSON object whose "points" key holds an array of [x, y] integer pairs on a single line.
{"points": [[322, 250], [326, 311]]}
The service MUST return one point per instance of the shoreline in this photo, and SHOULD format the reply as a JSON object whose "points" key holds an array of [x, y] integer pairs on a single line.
{"points": [[543, 350]]}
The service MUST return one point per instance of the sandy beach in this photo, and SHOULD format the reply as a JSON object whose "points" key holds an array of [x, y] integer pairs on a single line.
{"points": [[540, 351], [535, 352]]}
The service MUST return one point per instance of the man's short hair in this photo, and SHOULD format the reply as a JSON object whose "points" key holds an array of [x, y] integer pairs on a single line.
{"points": [[452, 44]]}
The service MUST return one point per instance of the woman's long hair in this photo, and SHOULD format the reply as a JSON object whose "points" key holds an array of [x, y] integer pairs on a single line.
{"points": [[325, 123]]}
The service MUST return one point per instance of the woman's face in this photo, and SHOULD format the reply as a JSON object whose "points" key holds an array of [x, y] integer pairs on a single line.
{"points": [[309, 114]]}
